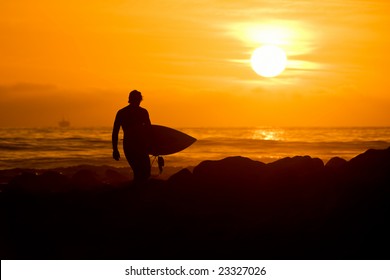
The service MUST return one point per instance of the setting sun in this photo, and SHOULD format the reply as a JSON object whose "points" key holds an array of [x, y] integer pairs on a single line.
{"points": [[73, 60], [269, 61]]}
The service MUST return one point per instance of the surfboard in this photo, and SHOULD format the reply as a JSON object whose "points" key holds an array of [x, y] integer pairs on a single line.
{"points": [[167, 141]]}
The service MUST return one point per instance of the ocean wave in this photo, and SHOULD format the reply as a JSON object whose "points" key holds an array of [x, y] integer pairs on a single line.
{"points": [[30, 147]]}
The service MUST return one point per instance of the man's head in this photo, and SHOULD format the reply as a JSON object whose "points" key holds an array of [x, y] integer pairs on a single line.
{"points": [[135, 97]]}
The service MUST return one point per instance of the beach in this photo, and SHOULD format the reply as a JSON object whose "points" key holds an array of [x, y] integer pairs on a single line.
{"points": [[232, 208]]}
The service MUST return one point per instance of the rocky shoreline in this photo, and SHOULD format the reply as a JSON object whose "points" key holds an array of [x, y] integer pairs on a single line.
{"points": [[234, 208]]}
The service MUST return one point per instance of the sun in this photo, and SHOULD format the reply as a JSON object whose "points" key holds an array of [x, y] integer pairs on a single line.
{"points": [[269, 61]]}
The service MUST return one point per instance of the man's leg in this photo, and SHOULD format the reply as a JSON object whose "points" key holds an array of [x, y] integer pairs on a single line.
{"points": [[140, 163], [144, 166]]}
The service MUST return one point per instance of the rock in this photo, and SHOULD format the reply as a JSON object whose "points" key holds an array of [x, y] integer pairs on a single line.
{"points": [[371, 161], [85, 179], [296, 167], [229, 171], [303, 164], [114, 177], [336, 163], [52, 181], [371, 169], [181, 178], [26, 181]]}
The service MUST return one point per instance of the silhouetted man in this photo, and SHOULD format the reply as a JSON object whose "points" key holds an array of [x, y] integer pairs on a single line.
{"points": [[136, 126]]}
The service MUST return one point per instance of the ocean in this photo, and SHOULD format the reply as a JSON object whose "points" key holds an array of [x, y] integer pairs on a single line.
{"points": [[44, 148]]}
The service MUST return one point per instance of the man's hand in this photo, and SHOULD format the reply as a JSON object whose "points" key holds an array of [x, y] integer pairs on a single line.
{"points": [[116, 155]]}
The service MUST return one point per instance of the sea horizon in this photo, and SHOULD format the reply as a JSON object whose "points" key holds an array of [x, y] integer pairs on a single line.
{"points": [[53, 147]]}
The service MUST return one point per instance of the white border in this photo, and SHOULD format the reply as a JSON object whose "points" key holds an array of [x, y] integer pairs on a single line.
{"points": [[115, 270]]}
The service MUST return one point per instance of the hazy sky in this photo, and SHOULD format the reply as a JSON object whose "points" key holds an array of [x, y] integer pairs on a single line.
{"points": [[191, 61]]}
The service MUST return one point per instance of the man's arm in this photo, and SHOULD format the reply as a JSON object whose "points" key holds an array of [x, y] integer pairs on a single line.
{"points": [[115, 132], [147, 119]]}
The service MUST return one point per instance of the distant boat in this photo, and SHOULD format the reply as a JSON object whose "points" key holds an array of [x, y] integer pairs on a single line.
{"points": [[64, 123]]}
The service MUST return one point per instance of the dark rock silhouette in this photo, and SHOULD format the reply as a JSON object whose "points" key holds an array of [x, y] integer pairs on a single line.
{"points": [[32, 182], [114, 177], [231, 170], [336, 163], [51, 178], [372, 163], [234, 208], [85, 178], [26, 181], [181, 178]]}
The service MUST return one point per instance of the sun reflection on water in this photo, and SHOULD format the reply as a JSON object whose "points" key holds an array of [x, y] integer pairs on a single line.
{"points": [[267, 134]]}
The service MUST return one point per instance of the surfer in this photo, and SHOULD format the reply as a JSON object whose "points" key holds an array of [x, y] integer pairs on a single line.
{"points": [[136, 127]]}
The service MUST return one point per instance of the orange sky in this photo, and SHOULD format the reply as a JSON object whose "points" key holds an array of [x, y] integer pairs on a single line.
{"points": [[190, 59]]}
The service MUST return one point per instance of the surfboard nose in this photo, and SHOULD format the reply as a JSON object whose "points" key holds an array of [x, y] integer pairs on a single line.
{"points": [[167, 141]]}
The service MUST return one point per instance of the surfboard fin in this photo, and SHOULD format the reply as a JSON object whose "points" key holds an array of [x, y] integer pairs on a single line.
{"points": [[161, 163]]}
